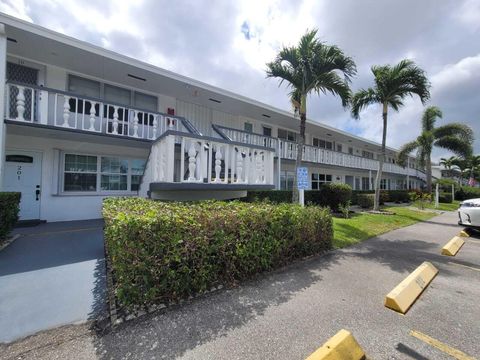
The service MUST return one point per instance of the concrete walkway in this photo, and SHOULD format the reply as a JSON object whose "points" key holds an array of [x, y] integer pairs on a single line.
{"points": [[289, 313], [52, 275]]}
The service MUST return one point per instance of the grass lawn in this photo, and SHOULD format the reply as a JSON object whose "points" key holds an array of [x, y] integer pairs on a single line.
{"points": [[363, 226], [445, 207]]}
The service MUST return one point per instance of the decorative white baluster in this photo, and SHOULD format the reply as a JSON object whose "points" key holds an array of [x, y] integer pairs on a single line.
{"points": [[66, 111], [192, 161], [218, 164], [115, 120], [155, 124], [20, 103], [239, 165], [92, 116], [170, 122], [262, 168], [258, 169], [135, 123]]}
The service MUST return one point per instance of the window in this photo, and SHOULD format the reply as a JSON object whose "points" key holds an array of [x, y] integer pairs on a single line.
{"points": [[114, 174], [383, 184], [144, 101], [248, 127], [365, 183], [286, 180], [319, 179], [350, 150], [80, 173], [117, 95], [322, 144], [367, 154], [267, 131], [339, 148], [90, 173], [287, 135], [84, 87]]}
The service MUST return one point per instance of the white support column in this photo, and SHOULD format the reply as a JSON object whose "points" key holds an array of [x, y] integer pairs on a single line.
{"points": [[3, 129], [370, 187]]}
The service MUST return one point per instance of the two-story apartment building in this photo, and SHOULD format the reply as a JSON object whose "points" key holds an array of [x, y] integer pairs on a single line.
{"points": [[81, 123]]}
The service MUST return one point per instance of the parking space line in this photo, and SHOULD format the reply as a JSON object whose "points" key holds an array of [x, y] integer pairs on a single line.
{"points": [[465, 266], [457, 354]]}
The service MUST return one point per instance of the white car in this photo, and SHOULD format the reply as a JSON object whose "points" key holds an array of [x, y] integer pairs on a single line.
{"points": [[469, 213]]}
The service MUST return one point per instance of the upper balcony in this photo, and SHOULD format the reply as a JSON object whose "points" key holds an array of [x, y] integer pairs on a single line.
{"points": [[55, 108], [288, 150]]}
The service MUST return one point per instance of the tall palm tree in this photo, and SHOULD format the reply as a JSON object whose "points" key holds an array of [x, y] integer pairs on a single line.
{"points": [[392, 85], [455, 137], [473, 164], [311, 67], [449, 164]]}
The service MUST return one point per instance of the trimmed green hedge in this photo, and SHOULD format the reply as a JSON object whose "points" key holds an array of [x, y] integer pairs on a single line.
{"points": [[164, 251], [331, 195], [365, 201], [467, 192], [9, 209], [445, 198]]}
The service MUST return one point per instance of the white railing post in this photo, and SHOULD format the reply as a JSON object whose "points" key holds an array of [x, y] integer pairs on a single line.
{"points": [[115, 120], [154, 129], [66, 111], [239, 165], [20, 104], [135, 123], [218, 163], [92, 115], [192, 153], [43, 107]]}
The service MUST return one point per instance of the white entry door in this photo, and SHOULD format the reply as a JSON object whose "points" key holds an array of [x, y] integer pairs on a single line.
{"points": [[23, 173]]}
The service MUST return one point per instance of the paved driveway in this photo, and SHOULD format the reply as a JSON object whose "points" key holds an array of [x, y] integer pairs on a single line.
{"points": [[52, 275], [289, 313]]}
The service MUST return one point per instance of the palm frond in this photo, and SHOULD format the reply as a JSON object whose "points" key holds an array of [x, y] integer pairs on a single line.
{"points": [[429, 117], [462, 131], [405, 151], [455, 145], [361, 99]]}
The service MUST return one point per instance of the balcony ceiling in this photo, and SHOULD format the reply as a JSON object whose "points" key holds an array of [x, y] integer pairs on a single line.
{"points": [[45, 46]]}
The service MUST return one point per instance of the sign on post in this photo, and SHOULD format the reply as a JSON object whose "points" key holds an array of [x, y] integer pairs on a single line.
{"points": [[302, 183]]}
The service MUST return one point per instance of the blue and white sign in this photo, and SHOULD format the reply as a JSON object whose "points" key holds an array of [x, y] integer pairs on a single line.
{"points": [[302, 178]]}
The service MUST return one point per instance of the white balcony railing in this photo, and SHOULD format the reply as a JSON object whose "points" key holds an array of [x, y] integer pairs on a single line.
{"points": [[288, 150], [39, 105], [207, 160]]}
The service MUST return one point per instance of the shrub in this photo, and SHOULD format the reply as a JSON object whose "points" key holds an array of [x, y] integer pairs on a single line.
{"points": [[445, 198], [384, 197], [331, 195], [164, 251], [345, 209], [467, 192], [365, 201], [398, 196], [421, 199], [9, 208]]}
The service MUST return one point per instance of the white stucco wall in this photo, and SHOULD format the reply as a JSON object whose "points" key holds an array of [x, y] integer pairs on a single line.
{"points": [[59, 207]]}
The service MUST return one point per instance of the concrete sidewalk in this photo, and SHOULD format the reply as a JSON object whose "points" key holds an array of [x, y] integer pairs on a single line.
{"points": [[289, 313], [52, 275]]}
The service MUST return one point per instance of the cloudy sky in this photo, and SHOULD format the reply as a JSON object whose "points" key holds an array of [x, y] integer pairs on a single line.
{"points": [[227, 43]]}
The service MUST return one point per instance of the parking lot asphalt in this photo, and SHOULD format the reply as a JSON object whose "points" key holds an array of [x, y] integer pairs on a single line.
{"points": [[289, 313]]}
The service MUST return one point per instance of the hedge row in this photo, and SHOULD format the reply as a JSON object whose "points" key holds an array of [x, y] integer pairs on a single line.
{"points": [[163, 251], [331, 195], [467, 192], [9, 209]]}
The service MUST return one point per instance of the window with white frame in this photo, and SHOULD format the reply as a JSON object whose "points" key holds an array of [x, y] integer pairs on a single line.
{"points": [[92, 173], [319, 179], [286, 180], [287, 135], [322, 144], [365, 183], [367, 154], [383, 184]]}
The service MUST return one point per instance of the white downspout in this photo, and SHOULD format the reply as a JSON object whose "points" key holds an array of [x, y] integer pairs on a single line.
{"points": [[3, 129]]}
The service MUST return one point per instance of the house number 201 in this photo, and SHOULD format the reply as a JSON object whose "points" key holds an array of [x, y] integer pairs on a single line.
{"points": [[19, 171]]}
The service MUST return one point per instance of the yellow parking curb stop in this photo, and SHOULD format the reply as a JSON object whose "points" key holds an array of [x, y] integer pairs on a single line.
{"points": [[342, 346], [404, 294], [464, 233], [453, 246]]}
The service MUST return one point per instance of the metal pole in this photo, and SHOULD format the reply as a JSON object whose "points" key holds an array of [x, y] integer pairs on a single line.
{"points": [[436, 196], [301, 197], [453, 192]]}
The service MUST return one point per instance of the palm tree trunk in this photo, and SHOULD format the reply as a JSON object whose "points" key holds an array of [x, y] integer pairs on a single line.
{"points": [[376, 204], [429, 173], [300, 144]]}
